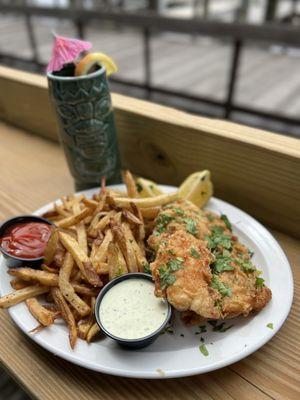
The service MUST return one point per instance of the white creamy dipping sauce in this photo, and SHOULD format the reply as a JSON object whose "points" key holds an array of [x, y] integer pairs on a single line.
{"points": [[130, 310]]}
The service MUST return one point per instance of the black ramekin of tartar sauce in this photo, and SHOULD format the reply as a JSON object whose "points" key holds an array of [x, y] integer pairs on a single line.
{"points": [[23, 240], [127, 310]]}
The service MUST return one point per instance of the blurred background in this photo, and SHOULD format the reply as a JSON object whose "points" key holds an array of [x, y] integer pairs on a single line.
{"points": [[232, 59], [229, 59]]}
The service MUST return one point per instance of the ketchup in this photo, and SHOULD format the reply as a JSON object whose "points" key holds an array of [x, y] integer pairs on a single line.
{"points": [[26, 239]]}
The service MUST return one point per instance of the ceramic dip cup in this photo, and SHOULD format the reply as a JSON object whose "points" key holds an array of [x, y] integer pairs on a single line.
{"points": [[128, 311], [23, 239]]}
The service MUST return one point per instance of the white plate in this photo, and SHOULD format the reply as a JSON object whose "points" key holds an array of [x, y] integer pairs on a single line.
{"points": [[173, 355]]}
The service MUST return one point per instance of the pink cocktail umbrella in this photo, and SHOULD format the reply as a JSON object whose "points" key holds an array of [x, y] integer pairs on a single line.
{"points": [[65, 50]]}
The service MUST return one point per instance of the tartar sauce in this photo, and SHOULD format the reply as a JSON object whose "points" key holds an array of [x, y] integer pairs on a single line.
{"points": [[130, 310]]}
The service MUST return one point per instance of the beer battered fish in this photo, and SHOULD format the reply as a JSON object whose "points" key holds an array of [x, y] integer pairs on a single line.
{"points": [[201, 267]]}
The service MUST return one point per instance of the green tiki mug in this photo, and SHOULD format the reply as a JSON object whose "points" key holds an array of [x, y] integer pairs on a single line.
{"points": [[87, 127]]}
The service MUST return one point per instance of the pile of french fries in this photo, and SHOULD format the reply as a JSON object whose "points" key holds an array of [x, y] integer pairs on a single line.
{"points": [[93, 241]]}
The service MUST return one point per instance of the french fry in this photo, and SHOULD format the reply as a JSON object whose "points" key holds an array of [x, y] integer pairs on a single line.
{"points": [[141, 228], [125, 247], [18, 284], [94, 330], [66, 314], [30, 274], [101, 224], [85, 324], [101, 253], [130, 184], [131, 217], [67, 289], [51, 247], [90, 203], [80, 229], [146, 202], [83, 261], [20, 295], [74, 219], [46, 268], [85, 290], [138, 251], [151, 212], [102, 268], [40, 313], [116, 262], [61, 211]]}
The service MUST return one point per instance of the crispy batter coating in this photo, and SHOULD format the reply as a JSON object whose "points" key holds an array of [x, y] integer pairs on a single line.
{"points": [[201, 267]]}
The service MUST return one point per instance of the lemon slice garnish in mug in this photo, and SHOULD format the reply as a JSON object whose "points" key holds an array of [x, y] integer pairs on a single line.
{"points": [[89, 63]]}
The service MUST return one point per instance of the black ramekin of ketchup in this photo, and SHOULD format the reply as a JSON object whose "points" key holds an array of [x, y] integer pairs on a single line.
{"points": [[23, 240]]}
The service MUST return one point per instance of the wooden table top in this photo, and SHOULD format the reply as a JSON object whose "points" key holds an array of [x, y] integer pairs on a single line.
{"points": [[33, 172]]}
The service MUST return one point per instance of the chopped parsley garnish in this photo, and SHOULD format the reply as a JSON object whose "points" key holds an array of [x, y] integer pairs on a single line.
{"points": [[259, 282], [139, 187], [172, 252], [162, 221], [165, 272], [166, 279], [182, 335], [246, 265], [220, 287], [146, 267], [169, 329], [218, 239], [270, 325], [191, 225], [251, 253], [194, 253], [226, 221], [203, 328], [222, 263], [175, 263], [204, 350], [178, 211], [221, 327]]}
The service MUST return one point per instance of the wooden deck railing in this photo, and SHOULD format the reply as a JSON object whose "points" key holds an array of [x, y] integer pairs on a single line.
{"points": [[151, 23]]}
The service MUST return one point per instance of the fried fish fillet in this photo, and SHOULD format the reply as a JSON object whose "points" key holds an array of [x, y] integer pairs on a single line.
{"points": [[201, 267]]}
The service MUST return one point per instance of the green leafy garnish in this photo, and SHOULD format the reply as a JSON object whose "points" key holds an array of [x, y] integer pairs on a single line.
{"points": [[221, 327], [178, 211], [194, 253], [166, 279], [259, 282], [202, 328], [251, 253], [175, 264], [190, 225], [165, 272], [222, 263], [204, 350], [139, 187], [246, 265], [162, 221], [270, 325], [226, 221], [220, 287], [218, 239], [172, 252], [146, 267]]}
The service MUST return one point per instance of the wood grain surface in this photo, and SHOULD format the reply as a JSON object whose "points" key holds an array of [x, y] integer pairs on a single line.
{"points": [[33, 172], [256, 170]]}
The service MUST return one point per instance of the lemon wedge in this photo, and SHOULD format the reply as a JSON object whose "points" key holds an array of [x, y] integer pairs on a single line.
{"points": [[197, 188], [92, 60], [147, 188]]}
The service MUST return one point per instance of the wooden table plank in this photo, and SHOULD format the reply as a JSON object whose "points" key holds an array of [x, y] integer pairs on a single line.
{"points": [[34, 172]]}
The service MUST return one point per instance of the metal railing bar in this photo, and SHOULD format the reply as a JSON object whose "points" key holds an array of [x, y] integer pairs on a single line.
{"points": [[289, 35]]}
